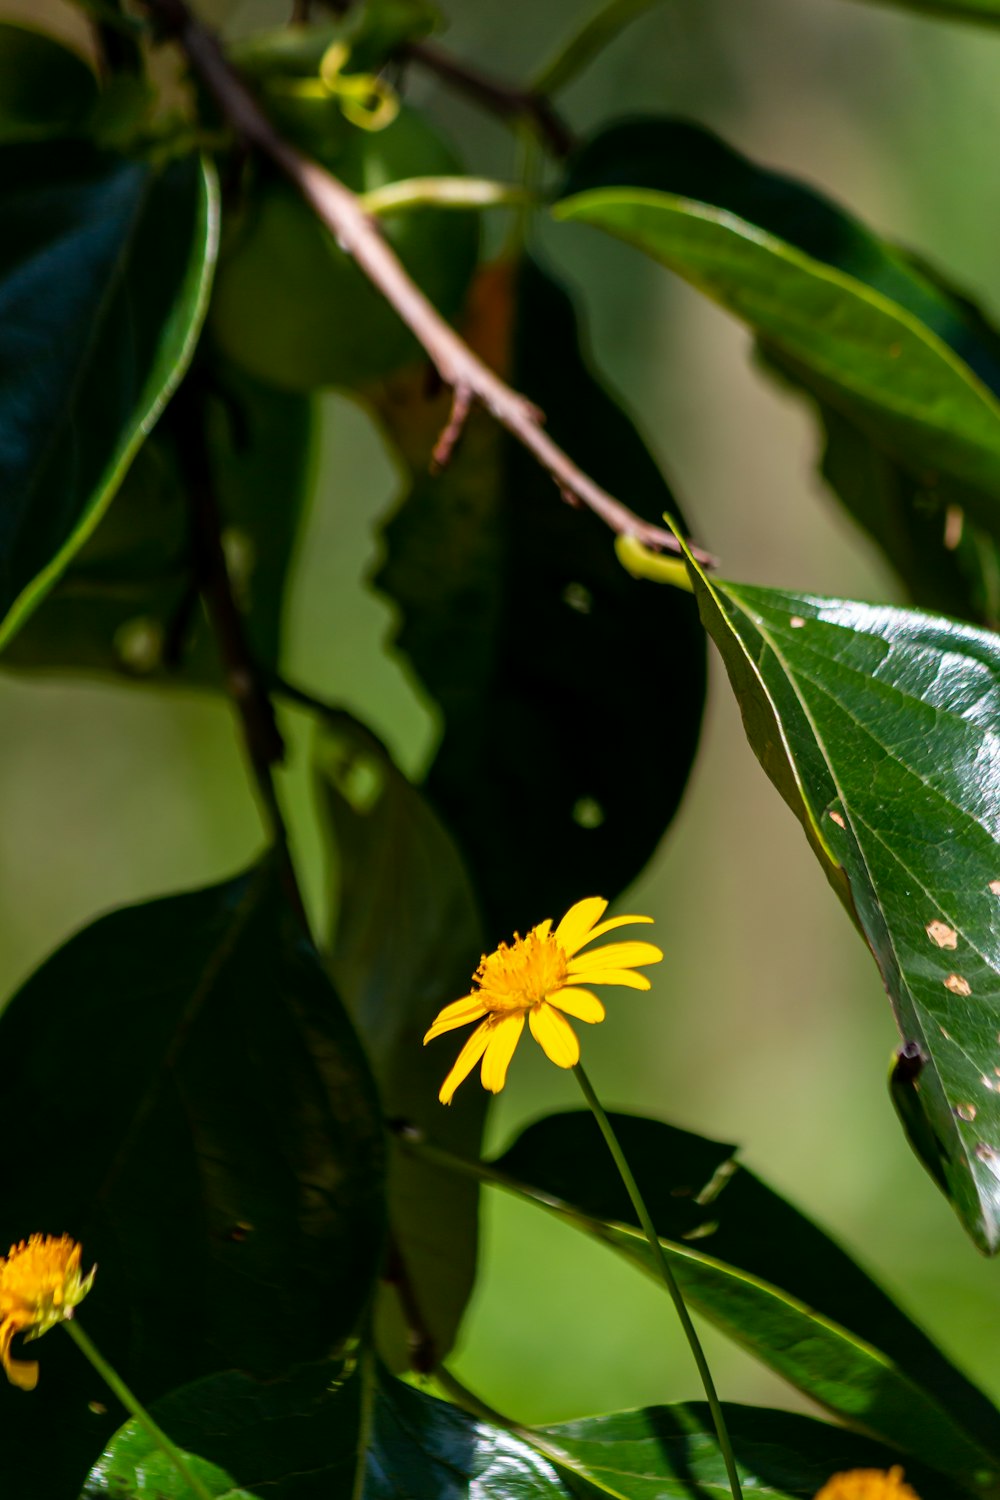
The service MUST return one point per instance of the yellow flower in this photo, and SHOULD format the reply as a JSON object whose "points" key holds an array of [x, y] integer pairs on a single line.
{"points": [[867, 1484], [539, 976], [40, 1284]]}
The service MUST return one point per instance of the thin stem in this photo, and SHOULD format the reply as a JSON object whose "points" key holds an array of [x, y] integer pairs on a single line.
{"points": [[132, 1404], [443, 192], [667, 1275], [342, 213], [588, 43], [504, 99]]}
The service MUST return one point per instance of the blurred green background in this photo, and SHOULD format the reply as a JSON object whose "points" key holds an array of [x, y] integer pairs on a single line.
{"points": [[767, 1024]]}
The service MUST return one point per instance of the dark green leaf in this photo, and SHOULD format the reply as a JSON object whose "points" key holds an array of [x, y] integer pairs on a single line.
{"points": [[568, 735], [295, 1438], [947, 562], [202, 1118], [424, 1449], [881, 729], [128, 601], [104, 268], [45, 89], [766, 1275], [407, 940], [852, 318]]}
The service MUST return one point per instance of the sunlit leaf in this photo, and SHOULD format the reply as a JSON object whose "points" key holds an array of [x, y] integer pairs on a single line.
{"points": [[851, 317], [881, 729]]}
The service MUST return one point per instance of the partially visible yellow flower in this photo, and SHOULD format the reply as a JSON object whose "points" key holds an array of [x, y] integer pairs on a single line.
{"points": [[40, 1285], [540, 976], [867, 1484]]}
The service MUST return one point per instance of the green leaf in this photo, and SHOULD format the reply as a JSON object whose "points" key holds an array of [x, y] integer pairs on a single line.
{"points": [[946, 562], [45, 89], [407, 940], [203, 1120], [670, 1453], [295, 1438], [128, 601], [851, 317], [425, 1449], [771, 1279], [765, 1274], [881, 729], [568, 734], [104, 271]]}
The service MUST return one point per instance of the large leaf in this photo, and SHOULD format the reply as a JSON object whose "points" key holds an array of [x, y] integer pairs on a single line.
{"points": [[765, 1274], [568, 731], [194, 1107], [128, 602], [852, 318], [296, 1438], [104, 270], [881, 729], [300, 1439], [407, 939], [671, 1453]]}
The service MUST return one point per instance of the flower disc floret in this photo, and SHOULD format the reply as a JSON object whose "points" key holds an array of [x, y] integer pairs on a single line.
{"points": [[40, 1285], [544, 977]]}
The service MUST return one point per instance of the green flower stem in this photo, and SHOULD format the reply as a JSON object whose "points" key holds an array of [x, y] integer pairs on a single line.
{"points": [[667, 1275], [131, 1404]]}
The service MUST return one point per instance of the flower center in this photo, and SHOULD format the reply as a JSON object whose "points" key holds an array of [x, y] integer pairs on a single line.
{"points": [[40, 1279], [519, 976]]}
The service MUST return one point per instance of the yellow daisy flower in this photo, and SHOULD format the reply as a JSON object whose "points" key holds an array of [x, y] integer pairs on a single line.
{"points": [[867, 1484], [540, 976], [40, 1285]]}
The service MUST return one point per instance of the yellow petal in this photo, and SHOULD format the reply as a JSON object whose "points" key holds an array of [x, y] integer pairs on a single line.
{"points": [[630, 978], [20, 1372], [458, 1013], [574, 929], [544, 928], [612, 923], [555, 1036], [506, 1034], [616, 956], [579, 1003], [465, 1061]]}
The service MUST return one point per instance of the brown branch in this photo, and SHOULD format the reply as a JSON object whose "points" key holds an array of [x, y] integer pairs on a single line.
{"points": [[341, 212], [244, 681], [461, 405], [504, 99]]}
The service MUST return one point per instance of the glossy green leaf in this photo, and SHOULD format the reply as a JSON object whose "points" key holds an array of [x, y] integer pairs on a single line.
{"points": [[45, 89], [104, 271], [566, 745], [881, 729], [407, 940], [203, 1120], [671, 1453], [128, 602], [850, 316], [766, 1275], [295, 1438], [425, 1449]]}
